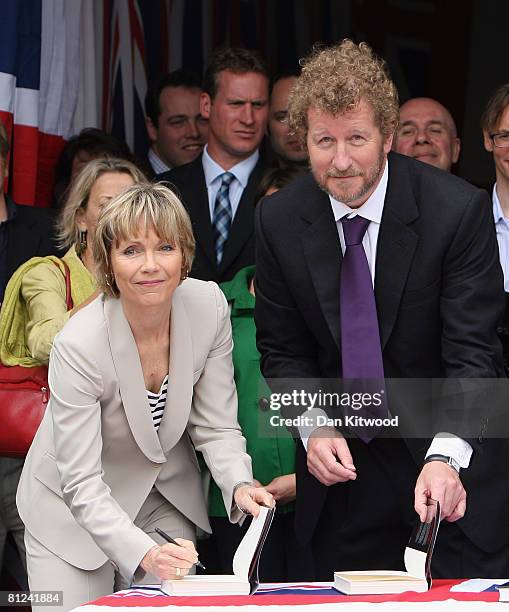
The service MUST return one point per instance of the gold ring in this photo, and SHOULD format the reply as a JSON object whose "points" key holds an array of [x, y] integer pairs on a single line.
{"points": [[177, 571]]}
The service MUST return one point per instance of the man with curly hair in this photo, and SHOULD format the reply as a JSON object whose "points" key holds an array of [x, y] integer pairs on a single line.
{"points": [[374, 266]]}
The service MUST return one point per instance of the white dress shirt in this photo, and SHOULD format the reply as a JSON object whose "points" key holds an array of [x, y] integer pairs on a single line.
{"points": [[502, 227], [241, 172], [372, 209]]}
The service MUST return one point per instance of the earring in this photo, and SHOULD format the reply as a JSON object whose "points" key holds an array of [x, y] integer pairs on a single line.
{"points": [[82, 241], [109, 279], [184, 275]]}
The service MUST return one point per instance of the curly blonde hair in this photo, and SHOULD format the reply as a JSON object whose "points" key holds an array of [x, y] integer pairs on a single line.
{"points": [[336, 79]]}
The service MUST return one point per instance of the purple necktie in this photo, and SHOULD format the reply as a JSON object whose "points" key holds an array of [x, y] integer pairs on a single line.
{"points": [[361, 351]]}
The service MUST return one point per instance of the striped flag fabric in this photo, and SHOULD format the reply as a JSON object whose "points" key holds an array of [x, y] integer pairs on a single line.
{"points": [[37, 105], [125, 72]]}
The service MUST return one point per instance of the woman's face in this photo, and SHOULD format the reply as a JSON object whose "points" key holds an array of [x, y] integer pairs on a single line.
{"points": [[106, 187], [147, 269]]}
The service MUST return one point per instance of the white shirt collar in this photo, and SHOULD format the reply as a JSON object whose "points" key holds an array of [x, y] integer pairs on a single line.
{"points": [[497, 208], [241, 171], [372, 208]]}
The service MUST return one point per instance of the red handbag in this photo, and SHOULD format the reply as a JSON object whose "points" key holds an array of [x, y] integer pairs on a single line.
{"points": [[24, 393]]}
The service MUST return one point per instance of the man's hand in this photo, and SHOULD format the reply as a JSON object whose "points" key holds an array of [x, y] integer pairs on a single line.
{"points": [[249, 499], [329, 459], [169, 561], [283, 488], [441, 482]]}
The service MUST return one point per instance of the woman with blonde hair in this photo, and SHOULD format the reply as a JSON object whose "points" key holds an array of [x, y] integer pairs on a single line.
{"points": [[37, 300], [140, 379], [43, 286]]}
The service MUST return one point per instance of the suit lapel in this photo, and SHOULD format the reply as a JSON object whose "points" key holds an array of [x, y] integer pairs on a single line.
{"points": [[197, 203], [396, 246], [322, 251], [180, 376], [130, 378], [242, 227]]}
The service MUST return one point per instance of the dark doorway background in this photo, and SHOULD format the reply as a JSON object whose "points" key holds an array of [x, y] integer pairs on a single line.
{"points": [[451, 50]]}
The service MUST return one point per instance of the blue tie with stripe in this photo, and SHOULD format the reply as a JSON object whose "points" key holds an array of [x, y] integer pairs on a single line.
{"points": [[222, 217]]}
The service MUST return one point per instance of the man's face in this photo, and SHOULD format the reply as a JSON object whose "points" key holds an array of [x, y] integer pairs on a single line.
{"points": [[426, 132], [500, 154], [284, 145], [181, 132], [347, 153], [237, 116]]}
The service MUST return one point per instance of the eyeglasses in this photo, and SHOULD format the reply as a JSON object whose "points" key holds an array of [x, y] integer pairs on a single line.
{"points": [[501, 140]]}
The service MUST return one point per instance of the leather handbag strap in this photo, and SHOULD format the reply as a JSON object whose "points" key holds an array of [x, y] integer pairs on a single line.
{"points": [[67, 275]]}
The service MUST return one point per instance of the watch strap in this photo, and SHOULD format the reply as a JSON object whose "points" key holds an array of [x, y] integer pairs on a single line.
{"points": [[444, 459]]}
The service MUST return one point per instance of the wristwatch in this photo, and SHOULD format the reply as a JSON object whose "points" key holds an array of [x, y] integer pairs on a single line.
{"points": [[444, 459]]}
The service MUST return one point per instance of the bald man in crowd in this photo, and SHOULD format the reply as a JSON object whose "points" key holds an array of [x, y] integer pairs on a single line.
{"points": [[427, 132]]}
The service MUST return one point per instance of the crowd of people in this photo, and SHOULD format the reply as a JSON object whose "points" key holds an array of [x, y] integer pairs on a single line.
{"points": [[279, 230]]}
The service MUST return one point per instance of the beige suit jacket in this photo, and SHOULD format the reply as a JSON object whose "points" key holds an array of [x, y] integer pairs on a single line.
{"points": [[96, 455]]}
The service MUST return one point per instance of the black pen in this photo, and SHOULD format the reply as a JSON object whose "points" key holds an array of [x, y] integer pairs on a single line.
{"points": [[169, 539]]}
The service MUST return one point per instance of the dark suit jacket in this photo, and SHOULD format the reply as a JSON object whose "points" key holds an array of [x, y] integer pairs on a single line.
{"points": [[188, 182], [439, 295], [31, 233]]}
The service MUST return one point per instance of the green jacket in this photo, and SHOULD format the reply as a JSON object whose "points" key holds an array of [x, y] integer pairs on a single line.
{"points": [[272, 449]]}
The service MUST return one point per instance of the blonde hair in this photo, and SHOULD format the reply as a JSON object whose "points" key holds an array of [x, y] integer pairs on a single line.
{"points": [[141, 207], [334, 80], [67, 230]]}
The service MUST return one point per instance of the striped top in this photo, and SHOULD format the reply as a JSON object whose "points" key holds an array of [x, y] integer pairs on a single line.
{"points": [[157, 402]]}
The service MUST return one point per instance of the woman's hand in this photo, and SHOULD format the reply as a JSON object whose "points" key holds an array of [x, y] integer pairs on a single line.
{"points": [[169, 561], [249, 498], [283, 488]]}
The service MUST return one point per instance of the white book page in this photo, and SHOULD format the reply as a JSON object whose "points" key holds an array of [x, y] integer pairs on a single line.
{"points": [[247, 547], [415, 562]]}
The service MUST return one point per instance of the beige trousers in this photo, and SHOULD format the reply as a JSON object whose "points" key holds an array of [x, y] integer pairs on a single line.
{"points": [[47, 572]]}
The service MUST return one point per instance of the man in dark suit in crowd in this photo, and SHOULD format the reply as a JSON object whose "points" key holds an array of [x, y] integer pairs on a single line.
{"points": [[219, 187], [495, 127], [175, 126], [379, 265], [286, 146], [25, 232]]}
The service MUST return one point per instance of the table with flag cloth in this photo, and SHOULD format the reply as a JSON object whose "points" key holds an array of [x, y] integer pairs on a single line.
{"points": [[316, 597]]}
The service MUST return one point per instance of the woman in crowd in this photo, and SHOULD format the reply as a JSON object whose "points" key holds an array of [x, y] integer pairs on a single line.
{"points": [[43, 286], [272, 449], [105, 468]]}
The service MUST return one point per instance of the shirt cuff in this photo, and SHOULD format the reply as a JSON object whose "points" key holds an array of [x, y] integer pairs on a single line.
{"points": [[305, 430], [451, 446]]}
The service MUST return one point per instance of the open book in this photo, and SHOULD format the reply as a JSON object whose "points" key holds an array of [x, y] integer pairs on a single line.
{"points": [[418, 555], [244, 580]]}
